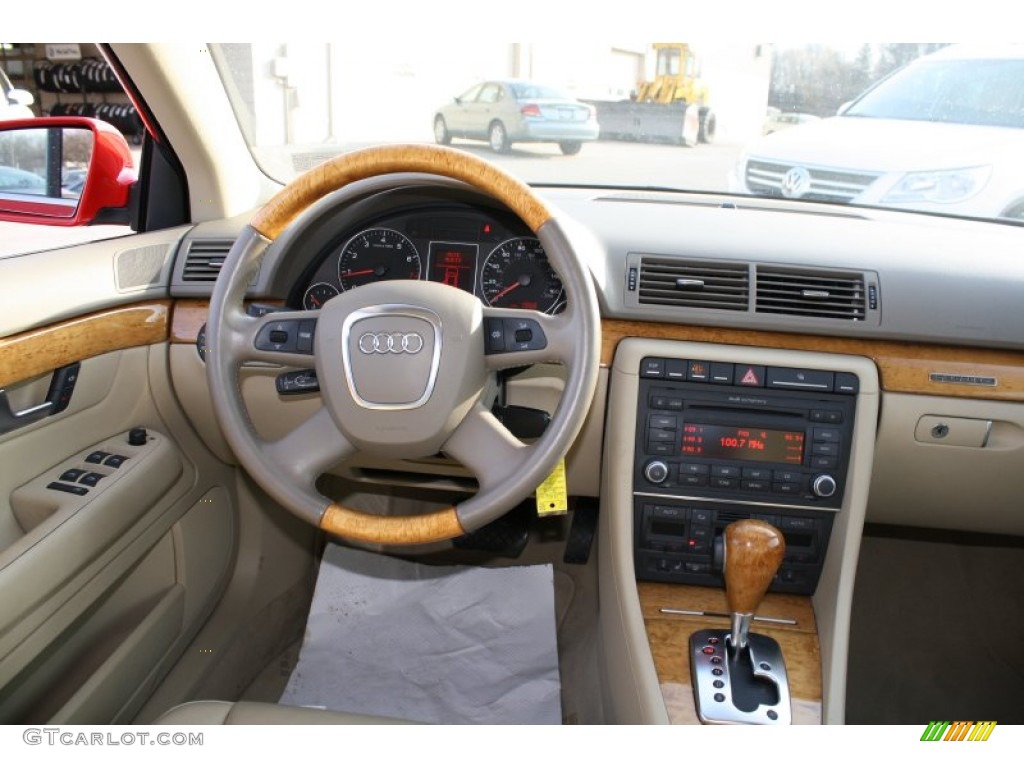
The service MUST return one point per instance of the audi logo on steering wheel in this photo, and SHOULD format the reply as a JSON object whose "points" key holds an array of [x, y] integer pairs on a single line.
{"points": [[390, 343]]}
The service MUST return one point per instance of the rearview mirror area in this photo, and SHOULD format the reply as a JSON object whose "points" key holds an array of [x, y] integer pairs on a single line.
{"points": [[64, 171]]}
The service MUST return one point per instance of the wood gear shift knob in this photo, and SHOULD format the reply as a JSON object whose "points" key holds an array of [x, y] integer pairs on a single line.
{"points": [[753, 554]]}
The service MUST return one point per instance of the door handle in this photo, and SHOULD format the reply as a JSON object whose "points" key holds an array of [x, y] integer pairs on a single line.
{"points": [[58, 397]]}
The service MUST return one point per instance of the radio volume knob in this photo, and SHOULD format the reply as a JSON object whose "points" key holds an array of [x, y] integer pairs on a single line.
{"points": [[656, 472], [824, 486]]}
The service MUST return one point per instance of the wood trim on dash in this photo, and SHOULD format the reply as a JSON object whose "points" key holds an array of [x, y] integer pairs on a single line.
{"points": [[391, 529], [902, 366], [188, 317], [669, 639], [336, 173], [45, 349]]}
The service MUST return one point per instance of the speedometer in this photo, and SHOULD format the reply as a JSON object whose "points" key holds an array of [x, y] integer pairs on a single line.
{"points": [[377, 254], [517, 275]]}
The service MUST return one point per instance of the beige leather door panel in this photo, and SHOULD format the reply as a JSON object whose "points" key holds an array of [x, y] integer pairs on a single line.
{"points": [[114, 547]]}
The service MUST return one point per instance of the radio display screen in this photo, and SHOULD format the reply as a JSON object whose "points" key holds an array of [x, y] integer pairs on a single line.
{"points": [[714, 441]]}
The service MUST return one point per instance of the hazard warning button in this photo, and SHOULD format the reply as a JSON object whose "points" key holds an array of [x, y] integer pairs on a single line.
{"points": [[750, 375]]}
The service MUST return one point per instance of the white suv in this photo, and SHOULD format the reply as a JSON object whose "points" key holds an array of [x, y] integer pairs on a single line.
{"points": [[945, 134]]}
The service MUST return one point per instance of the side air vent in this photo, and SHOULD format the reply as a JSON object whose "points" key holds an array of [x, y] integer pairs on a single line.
{"points": [[811, 293], [204, 260], [700, 284]]}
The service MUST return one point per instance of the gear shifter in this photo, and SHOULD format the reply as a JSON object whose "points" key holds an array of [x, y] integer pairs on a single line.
{"points": [[740, 677]]}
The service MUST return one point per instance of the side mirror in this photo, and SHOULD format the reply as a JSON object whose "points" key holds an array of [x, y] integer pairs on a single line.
{"points": [[64, 171]]}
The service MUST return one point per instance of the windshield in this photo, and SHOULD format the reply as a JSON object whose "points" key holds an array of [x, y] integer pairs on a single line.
{"points": [[736, 118], [975, 92]]}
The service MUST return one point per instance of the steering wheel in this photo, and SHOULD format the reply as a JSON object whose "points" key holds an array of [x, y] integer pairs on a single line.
{"points": [[402, 365]]}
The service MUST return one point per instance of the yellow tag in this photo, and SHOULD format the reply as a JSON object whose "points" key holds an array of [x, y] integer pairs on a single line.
{"points": [[551, 495]]}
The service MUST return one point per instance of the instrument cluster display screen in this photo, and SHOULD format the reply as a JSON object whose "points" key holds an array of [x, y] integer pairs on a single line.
{"points": [[453, 264], [714, 441]]}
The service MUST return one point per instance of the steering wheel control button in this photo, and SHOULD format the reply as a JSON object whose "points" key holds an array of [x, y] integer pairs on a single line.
{"points": [[115, 461], [137, 436], [298, 382], [96, 457], [494, 335], [304, 341], [522, 335], [72, 475], [75, 489], [279, 336], [91, 479]]}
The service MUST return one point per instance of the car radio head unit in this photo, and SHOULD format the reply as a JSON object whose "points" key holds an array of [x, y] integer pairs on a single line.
{"points": [[722, 441]]}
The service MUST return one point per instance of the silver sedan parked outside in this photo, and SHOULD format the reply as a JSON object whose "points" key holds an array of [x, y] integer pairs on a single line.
{"points": [[501, 112]]}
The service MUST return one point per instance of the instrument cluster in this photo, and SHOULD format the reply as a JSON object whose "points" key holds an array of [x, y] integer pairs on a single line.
{"points": [[487, 253]]}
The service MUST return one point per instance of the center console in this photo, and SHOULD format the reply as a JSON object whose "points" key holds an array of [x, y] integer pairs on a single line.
{"points": [[701, 437], [721, 441]]}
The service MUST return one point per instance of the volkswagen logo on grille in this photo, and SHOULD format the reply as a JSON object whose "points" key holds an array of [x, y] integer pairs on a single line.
{"points": [[390, 343], [796, 182]]}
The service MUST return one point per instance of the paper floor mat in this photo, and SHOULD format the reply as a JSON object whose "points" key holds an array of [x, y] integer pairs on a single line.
{"points": [[434, 644]]}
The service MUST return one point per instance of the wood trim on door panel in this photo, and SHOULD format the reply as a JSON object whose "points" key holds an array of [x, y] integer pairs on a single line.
{"points": [[902, 366], [42, 350]]}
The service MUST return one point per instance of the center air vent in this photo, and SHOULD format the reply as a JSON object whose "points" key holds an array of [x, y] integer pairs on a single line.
{"points": [[204, 260], [701, 284], [811, 293]]}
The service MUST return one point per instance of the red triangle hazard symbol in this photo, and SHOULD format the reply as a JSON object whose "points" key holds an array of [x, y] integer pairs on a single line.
{"points": [[750, 378]]}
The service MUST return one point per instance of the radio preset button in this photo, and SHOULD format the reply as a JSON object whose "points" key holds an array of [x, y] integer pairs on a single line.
{"points": [[661, 449], [720, 470], [825, 435], [786, 488], [694, 469], [661, 435], [662, 422]]}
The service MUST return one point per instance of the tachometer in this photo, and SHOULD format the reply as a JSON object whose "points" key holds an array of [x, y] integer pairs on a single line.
{"points": [[377, 254], [517, 275], [318, 294]]}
